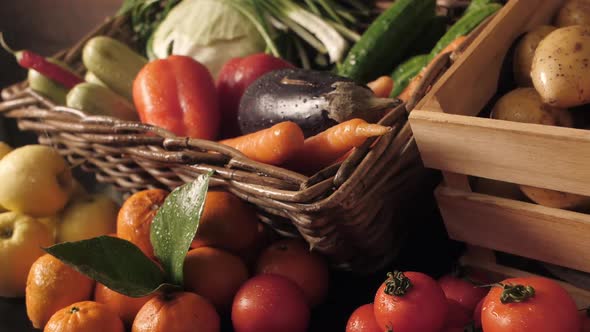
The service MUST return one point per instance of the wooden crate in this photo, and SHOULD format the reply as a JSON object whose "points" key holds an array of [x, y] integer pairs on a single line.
{"points": [[451, 138]]}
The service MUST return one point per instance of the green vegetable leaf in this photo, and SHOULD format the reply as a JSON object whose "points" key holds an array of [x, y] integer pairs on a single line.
{"points": [[114, 262], [175, 226]]}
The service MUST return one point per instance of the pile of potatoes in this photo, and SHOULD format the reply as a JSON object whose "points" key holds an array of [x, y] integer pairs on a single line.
{"points": [[551, 66]]}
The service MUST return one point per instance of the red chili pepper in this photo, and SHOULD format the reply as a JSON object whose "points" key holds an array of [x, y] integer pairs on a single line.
{"points": [[178, 94], [31, 60]]}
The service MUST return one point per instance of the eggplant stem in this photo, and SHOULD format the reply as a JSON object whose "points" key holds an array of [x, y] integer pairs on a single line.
{"points": [[378, 104]]}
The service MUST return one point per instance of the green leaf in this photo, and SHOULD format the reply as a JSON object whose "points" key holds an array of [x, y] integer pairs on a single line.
{"points": [[175, 226], [114, 262]]}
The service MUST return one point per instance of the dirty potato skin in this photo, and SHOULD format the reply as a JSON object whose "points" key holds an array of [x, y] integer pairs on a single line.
{"points": [[574, 12], [556, 199], [525, 51], [561, 67], [525, 105]]}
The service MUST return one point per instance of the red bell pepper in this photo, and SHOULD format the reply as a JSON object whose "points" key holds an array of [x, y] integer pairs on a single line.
{"points": [[235, 76], [178, 94]]}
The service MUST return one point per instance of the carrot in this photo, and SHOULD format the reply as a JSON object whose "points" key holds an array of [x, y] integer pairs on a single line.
{"points": [[415, 82], [326, 147], [271, 146], [382, 86]]}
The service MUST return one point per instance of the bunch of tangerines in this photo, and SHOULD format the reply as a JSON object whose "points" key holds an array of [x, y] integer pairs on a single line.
{"points": [[233, 268]]}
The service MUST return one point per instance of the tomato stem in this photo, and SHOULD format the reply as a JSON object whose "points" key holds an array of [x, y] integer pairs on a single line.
{"points": [[397, 284], [516, 293]]}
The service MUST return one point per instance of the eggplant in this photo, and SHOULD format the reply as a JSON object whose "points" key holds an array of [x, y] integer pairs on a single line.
{"points": [[314, 100]]}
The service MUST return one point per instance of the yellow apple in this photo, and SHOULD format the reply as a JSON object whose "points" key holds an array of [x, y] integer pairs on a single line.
{"points": [[35, 180], [21, 240], [4, 149], [79, 191], [88, 217], [51, 224]]}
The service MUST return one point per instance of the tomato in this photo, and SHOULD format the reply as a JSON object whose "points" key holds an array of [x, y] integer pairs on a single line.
{"points": [[269, 303], [457, 316], [462, 291], [237, 75], [292, 259], [178, 94], [477, 314], [585, 318], [453, 329], [363, 320], [410, 302], [529, 304]]}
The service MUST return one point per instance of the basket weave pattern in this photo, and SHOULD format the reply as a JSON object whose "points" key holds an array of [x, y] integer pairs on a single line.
{"points": [[346, 211]]}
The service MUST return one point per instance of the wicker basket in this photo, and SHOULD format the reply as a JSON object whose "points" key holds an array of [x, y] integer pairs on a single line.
{"points": [[346, 211]]}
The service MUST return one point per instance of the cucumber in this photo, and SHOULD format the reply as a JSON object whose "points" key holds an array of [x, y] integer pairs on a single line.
{"points": [[469, 21], [91, 78], [96, 99], [48, 87], [477, 4], [114, 63], [429, 36], [387, 40], [406, 71]]}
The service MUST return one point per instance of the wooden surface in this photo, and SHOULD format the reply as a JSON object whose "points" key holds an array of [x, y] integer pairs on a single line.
{"points": [[533, 231], [537, 155], [480, 258]]}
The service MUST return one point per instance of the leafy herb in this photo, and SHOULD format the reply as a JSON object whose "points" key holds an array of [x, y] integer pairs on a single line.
{"points": [[309, 33], [146, 15]]}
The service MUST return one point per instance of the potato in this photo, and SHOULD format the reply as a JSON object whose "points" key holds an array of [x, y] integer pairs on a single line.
{"points": [[524, 52], [574, 12], [555, 199], [561, 67], [497, 188], [525, 105]]}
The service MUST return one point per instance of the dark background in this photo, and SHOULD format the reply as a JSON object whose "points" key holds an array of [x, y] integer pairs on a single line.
{"points": [[49, 26]]}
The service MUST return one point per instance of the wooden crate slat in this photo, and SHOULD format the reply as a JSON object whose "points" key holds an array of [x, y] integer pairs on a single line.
{"points": [[545, 156], [478, 69], [529, 230]]}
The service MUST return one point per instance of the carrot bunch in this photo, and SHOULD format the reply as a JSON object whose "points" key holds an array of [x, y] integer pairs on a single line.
{"points": [[284, 144]]}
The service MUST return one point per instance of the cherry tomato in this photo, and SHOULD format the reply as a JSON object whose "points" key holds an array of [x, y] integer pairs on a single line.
{"points": [[457, 316], [410, 302], [363, 320], [529, 304], [462, 291], [269, 303], [235, 76], [477, 314]]}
